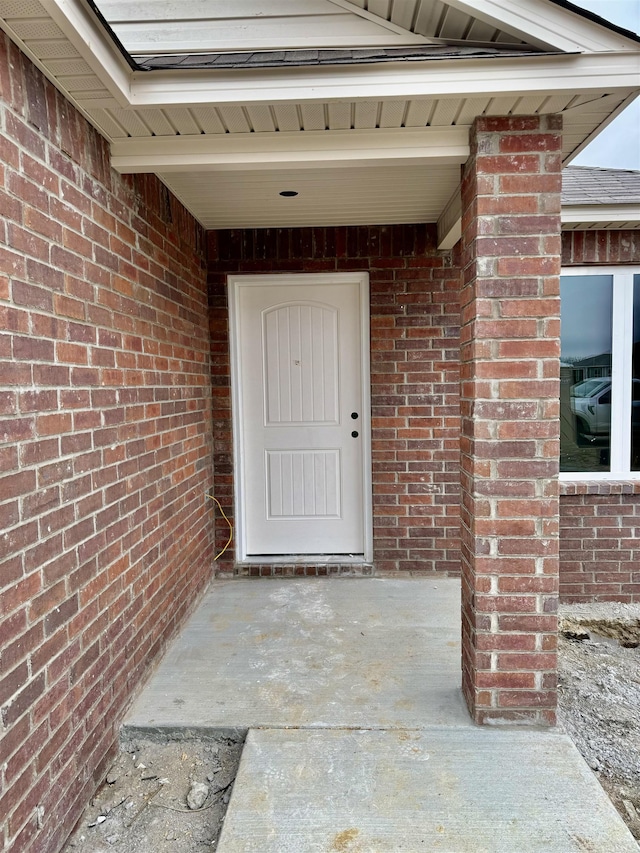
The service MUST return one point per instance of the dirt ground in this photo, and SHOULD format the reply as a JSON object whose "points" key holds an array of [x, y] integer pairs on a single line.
{"points": [[599, 696], [164, 793]]}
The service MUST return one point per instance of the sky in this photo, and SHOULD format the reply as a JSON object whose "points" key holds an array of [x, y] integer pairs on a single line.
{"points": [[618, 146]]}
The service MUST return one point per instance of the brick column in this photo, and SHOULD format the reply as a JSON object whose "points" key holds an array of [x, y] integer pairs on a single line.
{"points": [[510, 429]]}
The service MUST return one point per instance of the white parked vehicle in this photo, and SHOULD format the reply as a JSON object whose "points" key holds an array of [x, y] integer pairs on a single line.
{"points": [[591, 406]]}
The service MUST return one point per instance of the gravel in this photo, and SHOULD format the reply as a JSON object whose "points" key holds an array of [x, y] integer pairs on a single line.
{"points": [[164, 793], [599, 696]]}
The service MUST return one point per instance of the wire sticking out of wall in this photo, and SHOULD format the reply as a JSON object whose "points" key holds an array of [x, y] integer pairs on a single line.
{"points": [[224, 515]]}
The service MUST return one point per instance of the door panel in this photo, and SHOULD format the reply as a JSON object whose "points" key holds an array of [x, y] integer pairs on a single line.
{"points": [[299, 379], [301, 364], [303, 483]]}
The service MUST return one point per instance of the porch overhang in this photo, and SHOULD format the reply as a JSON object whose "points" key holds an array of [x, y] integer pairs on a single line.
{"points": [[372, 143]]}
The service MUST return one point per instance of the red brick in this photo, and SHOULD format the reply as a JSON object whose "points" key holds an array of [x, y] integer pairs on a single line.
{"points": [[492, 124], [506, 680], [504, 164], [23, 700], [15, 485], [526, 661], [533, 184], [527, 699], [530, 142]]}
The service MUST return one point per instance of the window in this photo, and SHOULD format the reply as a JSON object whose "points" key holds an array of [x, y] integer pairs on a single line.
{"points": [[600, 372]]}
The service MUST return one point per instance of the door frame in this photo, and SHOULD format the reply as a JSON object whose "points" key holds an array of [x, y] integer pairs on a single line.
{"points": [[234, 283]]}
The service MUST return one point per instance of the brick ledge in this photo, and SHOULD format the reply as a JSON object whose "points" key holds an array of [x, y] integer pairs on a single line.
{"points": [[291, 570], [599, 487]]}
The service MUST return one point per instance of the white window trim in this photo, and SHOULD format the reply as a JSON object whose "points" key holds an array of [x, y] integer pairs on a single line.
{"points": [[621, 366]]}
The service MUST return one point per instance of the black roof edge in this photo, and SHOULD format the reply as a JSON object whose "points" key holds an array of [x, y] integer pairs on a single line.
{"points": [[597, 19], [252, 59]]}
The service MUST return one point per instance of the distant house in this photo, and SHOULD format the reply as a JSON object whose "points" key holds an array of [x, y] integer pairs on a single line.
{"points": [[593, 367], [308, 262]]}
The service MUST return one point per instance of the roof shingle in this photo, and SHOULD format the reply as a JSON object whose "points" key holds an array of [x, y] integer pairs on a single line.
{"points": [[592, 185]]}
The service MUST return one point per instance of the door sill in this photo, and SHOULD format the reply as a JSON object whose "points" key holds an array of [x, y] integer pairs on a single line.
{"points": [[302, 559], [301, 569]]}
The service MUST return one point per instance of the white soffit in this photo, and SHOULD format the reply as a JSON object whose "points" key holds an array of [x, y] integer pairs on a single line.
{"points": [[342, 196], [171, 127], [544, 25]]}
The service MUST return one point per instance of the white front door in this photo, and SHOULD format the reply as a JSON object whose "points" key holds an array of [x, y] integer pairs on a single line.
{"points": [[301, 413]]}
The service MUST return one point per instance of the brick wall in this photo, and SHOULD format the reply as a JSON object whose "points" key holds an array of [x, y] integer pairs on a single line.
{"points": [[581, 248], [599, 545], [105, 448], [599, 549], [414, 376]]}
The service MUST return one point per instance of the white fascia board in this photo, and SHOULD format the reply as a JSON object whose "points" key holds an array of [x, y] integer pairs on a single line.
{"points": [[492, 77], [295, 150], [598, 130], [94, 44], [450, 222], [548, 27], [592, 214]]}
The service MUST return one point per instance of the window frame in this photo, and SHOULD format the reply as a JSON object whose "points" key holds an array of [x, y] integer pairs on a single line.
{"points": [[621, 370]]}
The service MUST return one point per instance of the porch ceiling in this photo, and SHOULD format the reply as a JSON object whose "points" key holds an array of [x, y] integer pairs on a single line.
{"points": [[185, 125], [336, 196]]}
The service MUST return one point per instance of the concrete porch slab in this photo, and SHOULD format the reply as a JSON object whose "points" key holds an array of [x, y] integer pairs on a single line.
{"points": [[358, 738], [453, 790], [313, 652]]}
